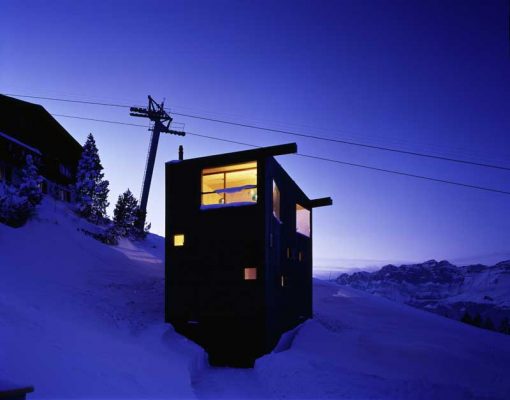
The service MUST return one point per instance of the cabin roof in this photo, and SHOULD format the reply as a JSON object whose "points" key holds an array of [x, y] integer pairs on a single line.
{"points": [[254, 154], [244, 155]]}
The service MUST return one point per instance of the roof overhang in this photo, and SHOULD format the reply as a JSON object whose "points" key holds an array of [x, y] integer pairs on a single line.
{"points": [[322, 202], [258, 153]]}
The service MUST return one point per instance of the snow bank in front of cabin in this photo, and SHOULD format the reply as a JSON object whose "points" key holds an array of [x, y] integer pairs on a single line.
{"points": [[360, 346], [80, 319]]}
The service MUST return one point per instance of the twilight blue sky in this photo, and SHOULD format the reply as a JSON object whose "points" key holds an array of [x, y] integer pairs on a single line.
{"points": [[426, 76]]}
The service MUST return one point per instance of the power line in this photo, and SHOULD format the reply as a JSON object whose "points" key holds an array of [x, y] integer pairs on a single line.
{"points": [[389, 171], [348, 142], [404, 174], [287, 132], [98, 120], [95, 103], [145, 126]]}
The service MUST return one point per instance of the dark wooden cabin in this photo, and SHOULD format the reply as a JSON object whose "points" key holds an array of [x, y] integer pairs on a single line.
{"points": [[238, 252], [27, 128]]}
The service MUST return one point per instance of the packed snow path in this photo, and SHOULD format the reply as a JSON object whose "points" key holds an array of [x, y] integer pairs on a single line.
{"points": [[79, 319]]}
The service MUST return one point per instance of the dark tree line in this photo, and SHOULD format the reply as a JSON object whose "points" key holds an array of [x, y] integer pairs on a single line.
{"points": [[486, 323]]}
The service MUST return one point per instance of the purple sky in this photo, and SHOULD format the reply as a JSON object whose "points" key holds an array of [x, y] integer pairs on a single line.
{"points": [[428, 76]]}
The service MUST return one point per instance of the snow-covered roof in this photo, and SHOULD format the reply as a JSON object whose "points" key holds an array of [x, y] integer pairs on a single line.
{"points": [[33, 149]]}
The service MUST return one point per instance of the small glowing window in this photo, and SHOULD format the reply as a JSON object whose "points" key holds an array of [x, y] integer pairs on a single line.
{"points": [[276, 201], [179, 240], [282, 281], [300, 256], [302, 220], [250, 274]]}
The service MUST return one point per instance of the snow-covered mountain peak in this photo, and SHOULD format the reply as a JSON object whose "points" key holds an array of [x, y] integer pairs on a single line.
{"points": [[442, 287]]}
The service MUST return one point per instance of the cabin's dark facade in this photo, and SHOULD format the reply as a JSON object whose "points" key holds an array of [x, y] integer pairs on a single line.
{"points": [[238, 252], [27, 128]]}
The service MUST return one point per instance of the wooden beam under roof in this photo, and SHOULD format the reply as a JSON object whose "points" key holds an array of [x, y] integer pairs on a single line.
{"points": [[322, 202]]}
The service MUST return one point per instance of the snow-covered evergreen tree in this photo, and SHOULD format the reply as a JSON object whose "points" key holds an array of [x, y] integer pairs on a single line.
{"points": [[125, 214], [30, 186], [14, 208], [91, 189], [101, 200]]}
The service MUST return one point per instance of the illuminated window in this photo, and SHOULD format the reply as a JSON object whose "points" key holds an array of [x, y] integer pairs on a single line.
{"points": [[250, 274], [230, 184], [300, 256], [282, 281], [179, 240], [276, 201], [302, 220]]}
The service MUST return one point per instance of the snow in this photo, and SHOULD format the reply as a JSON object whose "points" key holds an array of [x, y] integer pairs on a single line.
{"points": [[235, 189], [224, 205], [80, 319]]}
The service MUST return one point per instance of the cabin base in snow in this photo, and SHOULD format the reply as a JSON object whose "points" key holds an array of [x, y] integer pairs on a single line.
{"points": [[238, 252]]}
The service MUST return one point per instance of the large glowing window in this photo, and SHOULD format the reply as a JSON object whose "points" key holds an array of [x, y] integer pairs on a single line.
{"points": [[230, 184], [302, 220], [276, 201]]}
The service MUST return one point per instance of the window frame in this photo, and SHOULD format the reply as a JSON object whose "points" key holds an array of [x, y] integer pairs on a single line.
{"points": [[248, 271], [178, 240], [309, 235], [225, 188], [279, 196]]}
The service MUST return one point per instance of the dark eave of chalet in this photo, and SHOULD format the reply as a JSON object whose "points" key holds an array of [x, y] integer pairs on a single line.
{"points": [[33, 125]]}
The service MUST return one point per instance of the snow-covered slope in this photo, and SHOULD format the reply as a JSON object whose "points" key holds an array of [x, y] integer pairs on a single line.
{"points": [[80, 319], [442, 287]]}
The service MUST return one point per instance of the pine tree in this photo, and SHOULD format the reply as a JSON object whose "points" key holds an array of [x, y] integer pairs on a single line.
{"points": [[14, 208], [91, 189], [30, 186], [101, 200], [125, 214]]}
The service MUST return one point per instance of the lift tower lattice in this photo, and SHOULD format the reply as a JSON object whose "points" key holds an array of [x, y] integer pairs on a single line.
{"points": [[157, 114]]}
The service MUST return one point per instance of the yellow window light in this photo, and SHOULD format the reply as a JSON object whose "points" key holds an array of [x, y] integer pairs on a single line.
{"points": [[179, 240]]}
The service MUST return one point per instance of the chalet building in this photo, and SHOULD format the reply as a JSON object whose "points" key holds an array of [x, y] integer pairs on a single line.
{"points": [[27, 128], [238, 252]]}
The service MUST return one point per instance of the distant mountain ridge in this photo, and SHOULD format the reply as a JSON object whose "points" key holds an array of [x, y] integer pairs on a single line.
{"points": [[442, 288]]}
